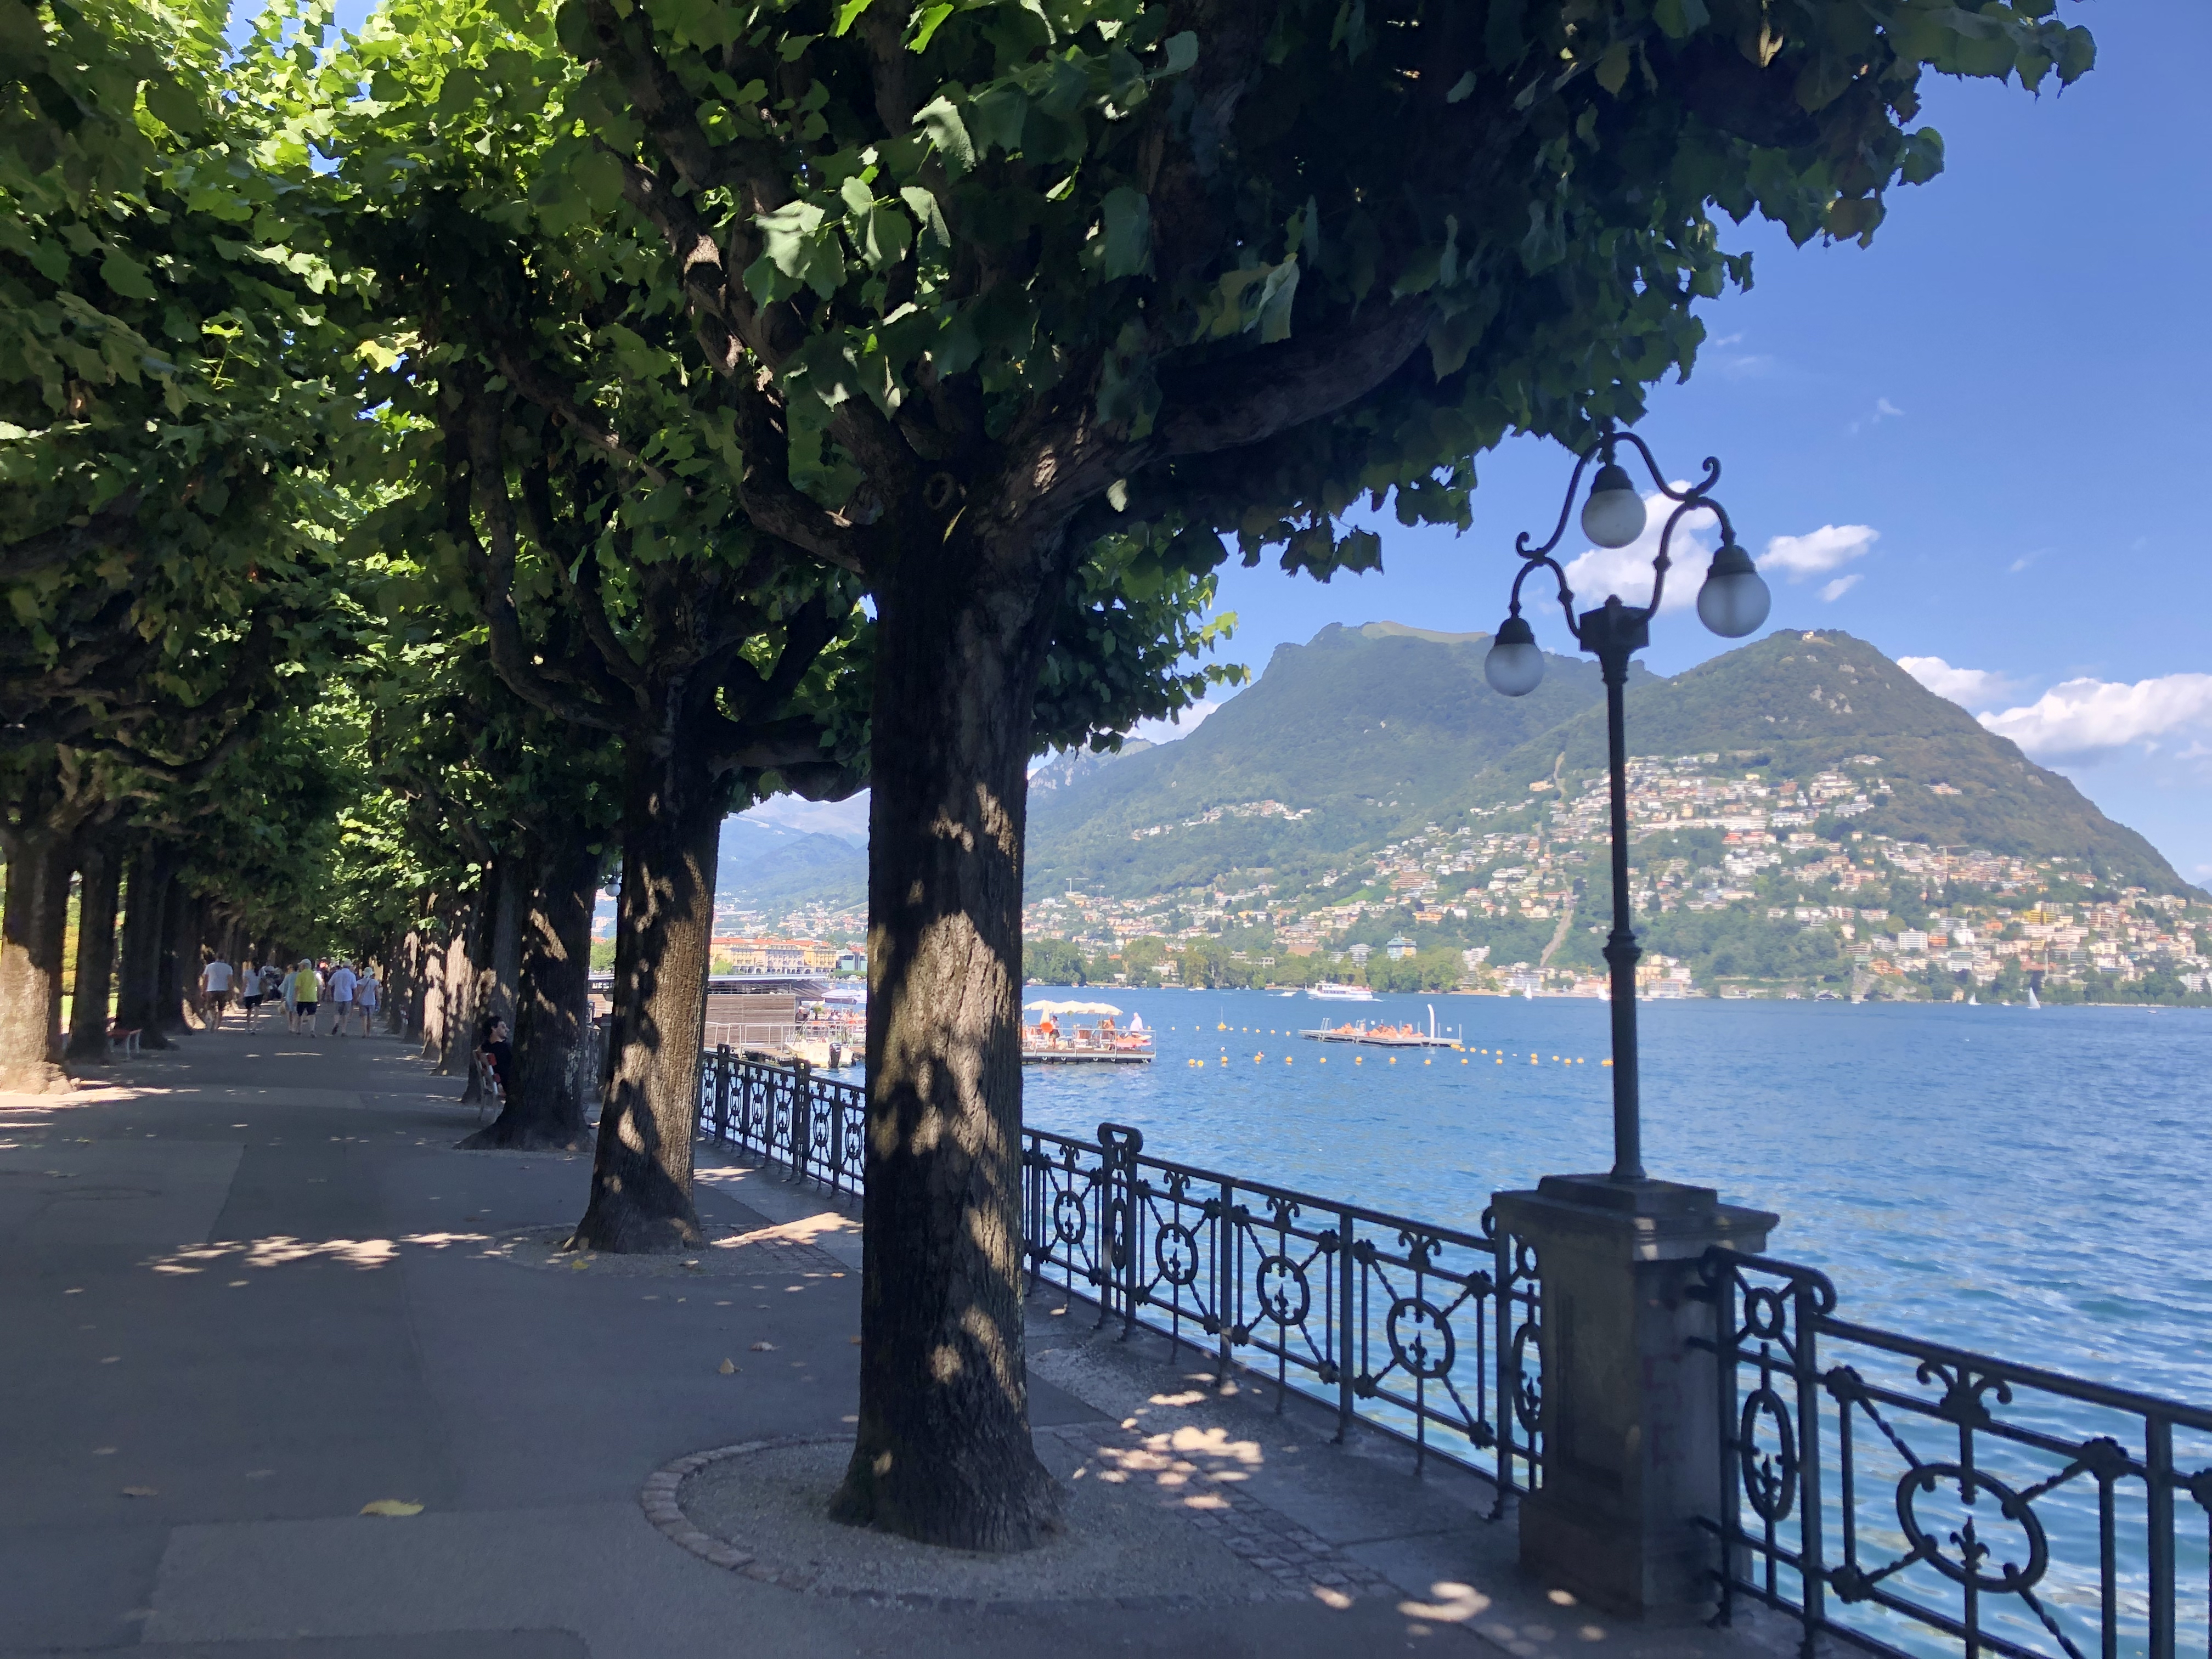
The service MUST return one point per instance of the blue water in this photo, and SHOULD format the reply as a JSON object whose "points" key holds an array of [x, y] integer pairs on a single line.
{"points": [[2034, 1184]]}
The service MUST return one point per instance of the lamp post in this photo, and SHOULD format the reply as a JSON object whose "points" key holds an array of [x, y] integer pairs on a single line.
{"points": [[1733, 601]]}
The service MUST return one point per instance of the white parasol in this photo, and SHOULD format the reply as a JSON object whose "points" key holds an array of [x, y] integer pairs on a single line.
{"points": [[1069, 1008]]}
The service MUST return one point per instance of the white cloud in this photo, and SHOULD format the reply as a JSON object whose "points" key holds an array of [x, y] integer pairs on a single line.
{"points": [[2024, 561], [1167, 732], [846, 819], [2084, 720], [1970, 688], [1843, 584], [1628, 570], [1883, 410], [1818, 551]]}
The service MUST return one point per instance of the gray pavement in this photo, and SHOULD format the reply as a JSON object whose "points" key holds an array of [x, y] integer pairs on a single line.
{"points": [[251, 1288]]}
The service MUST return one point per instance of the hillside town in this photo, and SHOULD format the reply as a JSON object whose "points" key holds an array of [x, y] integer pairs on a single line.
{"points": [[1746, 883]]}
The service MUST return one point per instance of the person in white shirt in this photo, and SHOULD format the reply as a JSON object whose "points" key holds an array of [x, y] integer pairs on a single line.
{"points": [[249, 992], [364, 997], [214, 988], [342, 982]]}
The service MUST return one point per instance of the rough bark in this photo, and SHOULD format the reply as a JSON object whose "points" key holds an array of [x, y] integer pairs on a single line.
{"points": [[495, 956], [147, 901], [100, 870], [31, 933], [466, 946], [943, 1451], [641, 1170], [545, 1107], [180, 960], [431, 990]]}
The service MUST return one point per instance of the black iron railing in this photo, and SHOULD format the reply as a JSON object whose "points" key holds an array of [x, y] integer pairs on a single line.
{"points": [[1426, 1333], [1916, 1499]]}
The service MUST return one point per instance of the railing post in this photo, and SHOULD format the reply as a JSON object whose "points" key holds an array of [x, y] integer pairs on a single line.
{"points": [[2158, 1504], [802, 1116], [1729, 1482], [722, 1093], [1224, 1285], [1346, 1288], [1812, 1520], [1508, 1366]]}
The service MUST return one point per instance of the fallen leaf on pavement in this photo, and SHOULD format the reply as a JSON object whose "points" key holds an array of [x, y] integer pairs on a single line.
{"points": [[142, 1491], [854, 1340], [579, 1265], [763, 1347], [728, 1369], [391, 1506]]}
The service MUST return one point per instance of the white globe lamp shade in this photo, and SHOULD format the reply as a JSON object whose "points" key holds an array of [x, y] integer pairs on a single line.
{"points": [[1734, 600], [1613, 516], [1515, 667]]}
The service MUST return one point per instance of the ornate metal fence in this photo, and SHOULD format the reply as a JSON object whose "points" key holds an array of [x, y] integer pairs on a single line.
{"points": [[1414, 1338], [786, 1116], [1919, 1499], [1396, 1323]]}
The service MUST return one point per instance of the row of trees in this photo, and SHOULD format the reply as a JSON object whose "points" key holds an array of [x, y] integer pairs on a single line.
{"points": [[558, 426]]}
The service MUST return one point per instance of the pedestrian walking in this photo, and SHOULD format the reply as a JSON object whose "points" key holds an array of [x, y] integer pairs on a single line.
{"points": [[214, 990], [249, 992], [342, 982], [365, 994], [306, 998], [284, 990]]}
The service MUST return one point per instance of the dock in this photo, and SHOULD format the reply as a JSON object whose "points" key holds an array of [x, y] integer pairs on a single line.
{"points": [[1380, 1036]]}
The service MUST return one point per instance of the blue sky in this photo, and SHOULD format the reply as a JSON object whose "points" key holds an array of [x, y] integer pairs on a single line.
{"points": [[1980, 444], [2006, 390]]}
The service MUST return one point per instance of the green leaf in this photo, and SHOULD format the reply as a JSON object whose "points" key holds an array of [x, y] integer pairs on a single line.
{"points": [[1461, 87], [125, 275], [1276, 295], [847, 15], [1128, 231], [1678, 18], [1613, 68], [947, 134], [925, 26], [925, 208], [1182, 52]]}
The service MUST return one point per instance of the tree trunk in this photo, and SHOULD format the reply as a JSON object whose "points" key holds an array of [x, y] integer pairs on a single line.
{"points": [[431, 989], [943, 1451], [497, 957], [180, 958], [641, 1172], [33, 930], [483, 945], [99, 887], [465, 947], [147, 902], [546, 1106]]}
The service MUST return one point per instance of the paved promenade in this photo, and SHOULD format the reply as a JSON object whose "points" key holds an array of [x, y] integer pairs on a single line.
{"points": [[251, 1289]]}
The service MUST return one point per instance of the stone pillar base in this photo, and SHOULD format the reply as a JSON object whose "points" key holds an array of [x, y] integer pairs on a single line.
{"points": [[1629, 1416]]}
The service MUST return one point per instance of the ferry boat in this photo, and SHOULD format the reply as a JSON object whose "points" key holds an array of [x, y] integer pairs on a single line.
{"points": [[1059, 1037], [1330, 991]]}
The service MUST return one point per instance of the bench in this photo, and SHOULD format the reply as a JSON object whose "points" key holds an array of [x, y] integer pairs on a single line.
{"points": [[124, 1038]]}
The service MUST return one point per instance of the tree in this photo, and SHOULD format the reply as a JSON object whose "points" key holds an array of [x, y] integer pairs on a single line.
{"points": [[981, 284]]}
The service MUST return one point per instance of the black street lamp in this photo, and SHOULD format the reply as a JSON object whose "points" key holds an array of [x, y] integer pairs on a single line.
{"points": [[1733, 601]]}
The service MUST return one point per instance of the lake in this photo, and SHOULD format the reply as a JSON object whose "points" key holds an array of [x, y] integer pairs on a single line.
{"points": [[2035, 1184]]}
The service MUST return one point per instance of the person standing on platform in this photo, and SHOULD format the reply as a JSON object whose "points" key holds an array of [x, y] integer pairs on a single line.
{"points": [[343, 981], [215, 991]]}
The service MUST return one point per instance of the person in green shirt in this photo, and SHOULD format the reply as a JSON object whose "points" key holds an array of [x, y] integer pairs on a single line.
{"points": [[307, 996]]}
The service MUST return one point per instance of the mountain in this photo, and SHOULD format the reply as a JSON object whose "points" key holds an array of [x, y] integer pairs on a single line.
{"points": [[1365, 735], [1797, 703], [774, 868], [1355, 733]]}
